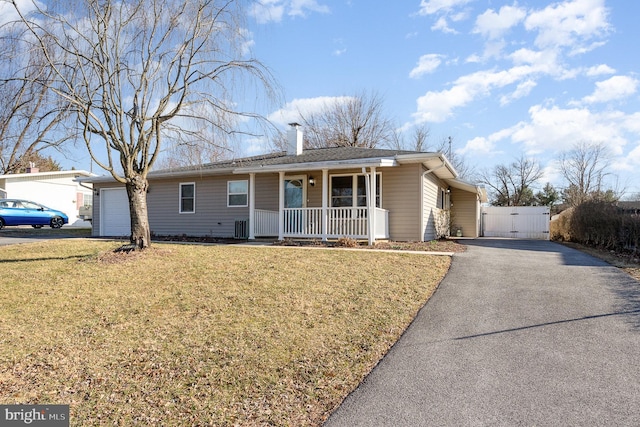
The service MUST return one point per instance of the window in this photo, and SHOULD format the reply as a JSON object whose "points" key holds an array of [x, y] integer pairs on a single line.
{"points": [[188, 197], [351, 191], [237, 193]]}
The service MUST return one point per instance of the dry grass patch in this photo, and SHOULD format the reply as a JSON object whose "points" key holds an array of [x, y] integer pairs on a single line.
{"points": [[193, 335], [628, 262]]}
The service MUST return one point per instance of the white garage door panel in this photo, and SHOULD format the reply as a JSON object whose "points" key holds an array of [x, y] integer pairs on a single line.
{"points": [[114, 212], [522, 222]]}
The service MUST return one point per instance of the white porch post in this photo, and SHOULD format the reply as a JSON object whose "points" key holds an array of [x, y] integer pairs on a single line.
{"points": [[325, 203], [281, 207], [252, 206], [372, 203]]}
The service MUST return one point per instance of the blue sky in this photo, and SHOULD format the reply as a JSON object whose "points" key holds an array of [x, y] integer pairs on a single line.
{"points": [[502, 78]]}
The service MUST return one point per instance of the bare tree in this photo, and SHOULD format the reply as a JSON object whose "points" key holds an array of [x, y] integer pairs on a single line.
{"points": [[30, 118], [134, 72], [584, 167], [465, 170], [353, 121], [419, 139], [512, 184], [183, 152]]}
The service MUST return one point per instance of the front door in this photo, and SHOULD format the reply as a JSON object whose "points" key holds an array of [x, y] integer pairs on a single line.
{"points": [[294, 193], [294, 198]]}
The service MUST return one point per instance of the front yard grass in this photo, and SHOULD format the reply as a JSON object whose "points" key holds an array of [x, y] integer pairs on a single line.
{"points": [[200, 335]]}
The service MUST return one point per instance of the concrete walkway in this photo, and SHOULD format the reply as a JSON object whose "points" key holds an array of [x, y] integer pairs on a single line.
{"points": [[520, 333]]}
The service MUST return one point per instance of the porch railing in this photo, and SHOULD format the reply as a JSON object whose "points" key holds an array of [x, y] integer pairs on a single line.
{"points": [[307, 223], [266, 223]]}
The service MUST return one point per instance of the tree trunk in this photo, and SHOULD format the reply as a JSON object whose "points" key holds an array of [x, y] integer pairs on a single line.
{"points": [[137, 192]]}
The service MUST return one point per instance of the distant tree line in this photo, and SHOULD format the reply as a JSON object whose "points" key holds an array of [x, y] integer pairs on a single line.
{"points": [[584, 168]]}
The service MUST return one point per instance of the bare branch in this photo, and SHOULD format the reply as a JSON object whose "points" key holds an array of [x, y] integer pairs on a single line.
{"points": [[132, 71]]}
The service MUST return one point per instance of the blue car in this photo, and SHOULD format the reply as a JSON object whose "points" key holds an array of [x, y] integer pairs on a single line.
{"points": [[24, 212]]}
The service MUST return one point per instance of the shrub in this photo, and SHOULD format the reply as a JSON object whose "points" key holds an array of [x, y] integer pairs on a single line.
{"points": [[347, 242], [560, 228], [599, 224], [630, 232]]}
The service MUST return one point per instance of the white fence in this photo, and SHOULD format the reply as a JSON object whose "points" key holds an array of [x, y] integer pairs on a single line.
{"points": [[523, 222]]}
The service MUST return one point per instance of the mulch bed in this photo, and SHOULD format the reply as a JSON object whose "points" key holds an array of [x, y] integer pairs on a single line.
{"points": [[442, 245]]}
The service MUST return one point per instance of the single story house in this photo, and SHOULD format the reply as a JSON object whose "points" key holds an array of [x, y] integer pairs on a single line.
{"points": [[57, 190], [324, 193]]}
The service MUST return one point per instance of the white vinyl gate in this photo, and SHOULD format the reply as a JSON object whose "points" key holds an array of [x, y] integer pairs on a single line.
{"points": [[522, 222]]}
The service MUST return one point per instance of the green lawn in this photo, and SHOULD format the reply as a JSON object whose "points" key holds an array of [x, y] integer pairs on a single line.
{"points": [[200, 335]]}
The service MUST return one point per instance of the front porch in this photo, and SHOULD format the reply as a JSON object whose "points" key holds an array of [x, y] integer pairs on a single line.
{"points": [[362, 218], [321, 223]]}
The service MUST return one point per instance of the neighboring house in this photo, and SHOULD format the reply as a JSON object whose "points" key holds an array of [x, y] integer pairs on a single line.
{"points": [[57, 190], [630, 207], [323, 194]]}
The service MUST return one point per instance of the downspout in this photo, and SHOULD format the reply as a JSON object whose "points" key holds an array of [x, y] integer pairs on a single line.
{"points": [[424, 175]]}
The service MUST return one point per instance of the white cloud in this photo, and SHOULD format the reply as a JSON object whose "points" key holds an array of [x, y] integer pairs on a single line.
{"points": [[8, 11], [274, 10], [556, 129], [615, 88], [568, 23], [551, 173], [523, 89], [631, 162], [632, 123], [442, 25], [493, 25], [492, 49], [426, 64], [439, 106], [248, 41], [479, 146], [551, 130], [292, 110], [599, 70], [429, 7], [301, 7], [267, 11]]}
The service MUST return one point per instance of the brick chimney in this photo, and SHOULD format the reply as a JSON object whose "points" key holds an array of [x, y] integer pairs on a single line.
{"points": [[294, 139]]}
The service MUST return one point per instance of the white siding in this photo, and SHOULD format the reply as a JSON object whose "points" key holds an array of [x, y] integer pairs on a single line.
{"points": [[430, 198], [401, 197], [465, 212]]}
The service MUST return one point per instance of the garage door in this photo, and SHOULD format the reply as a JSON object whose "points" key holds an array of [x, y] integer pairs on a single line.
{"points": [[114, 212], [522, 222]]}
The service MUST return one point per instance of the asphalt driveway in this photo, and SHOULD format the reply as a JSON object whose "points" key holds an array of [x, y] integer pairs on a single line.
{"points": [[520, 333]]}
